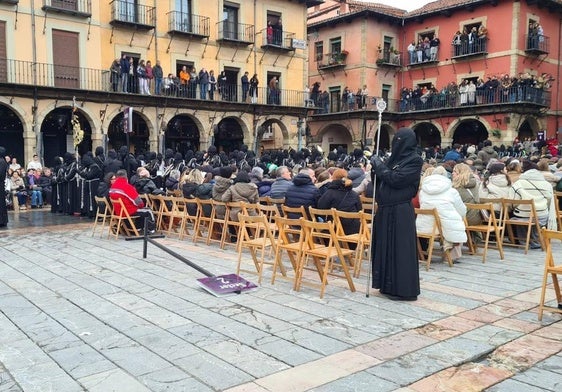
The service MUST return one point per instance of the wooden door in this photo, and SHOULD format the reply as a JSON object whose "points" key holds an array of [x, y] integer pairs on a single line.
{"points": [[3, 54], [66, 59]]}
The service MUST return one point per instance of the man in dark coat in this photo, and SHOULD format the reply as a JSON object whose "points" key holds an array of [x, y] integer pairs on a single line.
{"points": [[112, 164], [302, 192], [395, 262], [90, 174], [3, 171], [71, 190]]}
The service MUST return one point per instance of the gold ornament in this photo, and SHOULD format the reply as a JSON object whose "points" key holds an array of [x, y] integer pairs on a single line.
{"points": [[77, 132]]}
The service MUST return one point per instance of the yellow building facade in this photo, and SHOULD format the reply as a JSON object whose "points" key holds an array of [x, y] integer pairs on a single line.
{"points": [[56, 58]]}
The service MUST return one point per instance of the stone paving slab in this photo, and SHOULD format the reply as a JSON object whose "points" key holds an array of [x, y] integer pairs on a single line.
{"points": [[91, 314]]}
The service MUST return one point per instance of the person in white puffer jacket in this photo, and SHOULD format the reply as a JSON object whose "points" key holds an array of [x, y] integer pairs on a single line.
{"points": [[437, 192], [496, 185]]}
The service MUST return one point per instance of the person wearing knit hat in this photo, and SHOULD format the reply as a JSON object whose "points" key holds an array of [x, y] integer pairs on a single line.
{"points": [[340, 196]]}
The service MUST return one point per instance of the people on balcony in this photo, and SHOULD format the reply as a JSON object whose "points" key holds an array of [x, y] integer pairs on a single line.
{"points": [[536, 36], [470, 42], [253, 91], [412, 52], [434, 47], [142, 78], [124, 66], [203, 79], [158, 73], [115, 75]]}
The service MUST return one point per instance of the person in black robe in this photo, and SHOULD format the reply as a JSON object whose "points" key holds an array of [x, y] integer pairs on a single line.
{"points": [[71, 202], [395, 261], [3, 171], [112, 163], [57, 185], [90, 173]]}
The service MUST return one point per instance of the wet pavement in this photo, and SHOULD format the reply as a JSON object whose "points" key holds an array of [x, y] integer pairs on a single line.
{"points": [[79, 312]]}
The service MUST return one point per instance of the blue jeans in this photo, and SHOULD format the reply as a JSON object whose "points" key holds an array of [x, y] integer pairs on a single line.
{"points": [[158, 86], [36, 198], [203, 88]]}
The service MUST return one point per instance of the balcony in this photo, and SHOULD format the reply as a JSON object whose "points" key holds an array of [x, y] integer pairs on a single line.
{"points": [[462, 50], [537, 44], [188, 24], [332, 61], [9, 1], [280, 40], [127, 14], [312, 3], [240, 33], [79, 8], [389, 58], [15, 75]]}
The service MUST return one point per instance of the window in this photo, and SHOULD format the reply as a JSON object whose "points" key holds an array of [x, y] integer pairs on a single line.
{"points": [[386, 92], [335, 45], [319, 50], [426, 34], [230, 21], [179, 64], [335, 99], [128, 10], [183, 15], [275, 29]]}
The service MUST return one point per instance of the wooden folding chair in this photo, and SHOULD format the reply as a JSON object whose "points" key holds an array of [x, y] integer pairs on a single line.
{"points": [[321, 215], [146, 200], [435, 235], [294, 212], [205, 214], [216, 226], [558, 205], [255, 235], [290, 240], [323, 257], [231, 226], [122, 222], [552, 269], [103, 213], [357, 241], [276, 202], [156, 206], [528, 223], [189, 219], [271, 213], [367, 204], [485, 228]]}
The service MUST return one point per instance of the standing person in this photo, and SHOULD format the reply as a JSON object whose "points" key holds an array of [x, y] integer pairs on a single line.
{"points": [[3, 171], [395, 261], [254, 82], [124, 65], [222, 86], [203, 83], [149, 75], [115, 70], [278, 33], [245, 86], [184, 81], [143, 78], [212, 85], [158, 74]]}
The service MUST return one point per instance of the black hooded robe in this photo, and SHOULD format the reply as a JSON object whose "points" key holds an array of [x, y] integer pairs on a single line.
{"points": [[90, 173], [395, 262], [3, 171]]}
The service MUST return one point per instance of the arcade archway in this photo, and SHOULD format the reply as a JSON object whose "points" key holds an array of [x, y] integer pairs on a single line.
{"points": [[228, 135], [427, 135], [57, 134], [334, 136], [11, 133], [470, 132], [182, 134], [138, 140], [271, 136], [526, 131]]}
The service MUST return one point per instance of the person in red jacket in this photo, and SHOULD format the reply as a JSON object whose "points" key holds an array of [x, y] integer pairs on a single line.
{"points": [[121, 189]]}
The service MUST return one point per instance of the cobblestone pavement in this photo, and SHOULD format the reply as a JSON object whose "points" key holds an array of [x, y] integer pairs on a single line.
{"points": [[87, 313]]}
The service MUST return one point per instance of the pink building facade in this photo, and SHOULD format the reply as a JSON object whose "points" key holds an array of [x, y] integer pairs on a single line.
{"points": [[454, 71]]}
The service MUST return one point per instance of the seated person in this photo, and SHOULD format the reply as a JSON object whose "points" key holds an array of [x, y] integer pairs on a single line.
{"points": [[34, 189], [121, 189], [17, 185], [45, 183]]}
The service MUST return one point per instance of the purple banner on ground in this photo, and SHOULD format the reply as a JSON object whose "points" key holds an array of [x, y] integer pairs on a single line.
{"points": [[226, 284]]}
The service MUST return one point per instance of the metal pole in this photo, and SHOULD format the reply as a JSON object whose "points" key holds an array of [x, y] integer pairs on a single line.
{"points": [[381, 106]]}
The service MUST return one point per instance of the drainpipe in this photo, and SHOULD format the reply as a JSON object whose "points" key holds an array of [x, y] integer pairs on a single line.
{"points": [[159, 137], [254, 117], [558, 134], [36, 131]]}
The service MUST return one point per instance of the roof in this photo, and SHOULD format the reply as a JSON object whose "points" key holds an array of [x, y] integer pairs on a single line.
{"points": [[356, 7]]}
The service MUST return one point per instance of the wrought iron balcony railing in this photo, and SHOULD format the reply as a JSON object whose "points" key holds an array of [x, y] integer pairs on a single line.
{"points": [[235, 32], [389, 58], [277, 39], [332, 60], [81, 8], [525, 95], [422, 56], [537, 43], [21, 73], [124, 12], [477, 47], [188, 24]]}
